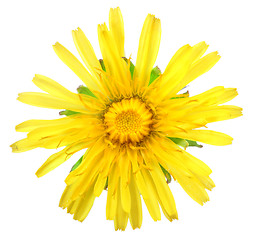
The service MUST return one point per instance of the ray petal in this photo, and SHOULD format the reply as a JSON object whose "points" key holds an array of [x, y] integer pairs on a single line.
{"points": [[149, 43], [116, 26], [205, 136], [75, 65], [86, 51]]}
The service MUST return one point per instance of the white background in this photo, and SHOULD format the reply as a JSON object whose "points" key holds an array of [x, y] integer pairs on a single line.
{"points": [[29, 206]]}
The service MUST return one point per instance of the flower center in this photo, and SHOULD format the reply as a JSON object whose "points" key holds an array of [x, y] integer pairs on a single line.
{"points": [[129, 120]]}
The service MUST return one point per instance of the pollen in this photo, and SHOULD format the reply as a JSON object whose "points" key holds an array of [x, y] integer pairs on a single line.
{"points": [[129, 120]]}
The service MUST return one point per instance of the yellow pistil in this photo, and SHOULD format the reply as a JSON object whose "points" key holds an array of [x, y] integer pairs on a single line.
{"points": [[128, 121]]}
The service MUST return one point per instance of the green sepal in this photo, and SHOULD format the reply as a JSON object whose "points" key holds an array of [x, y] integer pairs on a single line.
{"points": [[76, 164], [102, 65], [85, 90], [132, 66], [106, 184], [185, 142], [155, 73], [67, 112], [167, 174], [180, 142], [193, 144], [81, 90], [186, 93]]}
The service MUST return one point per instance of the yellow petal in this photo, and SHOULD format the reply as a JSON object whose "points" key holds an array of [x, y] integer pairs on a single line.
{"points": [[24, 145], [136, 207], [193, 163], [30, 125], [168, 214], [55, 89], [111, 197], [97, 148], [198, 50], [175, 60], [215, 113], [65, 138], [90, 174], [178, 169], [164, 192], [72, 206], [109, 155], [65, 198], [86, 51], [114, 63], [60, 157], [191, 186], [43, 132], [149, 43], [99, 185], [200, 170], [198, 68], [161, 149], [206, 181], [202, 66], [125, 196], [111, 206], [124, 168], [116, 27], [132, 156], [75, 65], [193, 53], [177, 69], [85, 205], [184, 67], [141, 184], [121, 217], [194, 189], [52, 162], [216, 95], [151, 201], [205, 136], [47, 101]]}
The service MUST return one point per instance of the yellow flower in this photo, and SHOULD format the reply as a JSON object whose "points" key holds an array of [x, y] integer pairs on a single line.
{"points": [[133, 123]]}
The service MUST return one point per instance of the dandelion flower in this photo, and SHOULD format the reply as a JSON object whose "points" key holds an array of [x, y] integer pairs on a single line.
{"points": [[133, 122]]}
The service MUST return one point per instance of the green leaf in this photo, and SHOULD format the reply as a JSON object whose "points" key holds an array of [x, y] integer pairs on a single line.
{"points": [[166, 173], [85, 90], [180, 142], [155, 73], [194, 144], [77, 164], [67, 112]]}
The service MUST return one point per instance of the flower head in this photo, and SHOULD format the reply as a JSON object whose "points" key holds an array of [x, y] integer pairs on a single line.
{"points": [[133, 122]]}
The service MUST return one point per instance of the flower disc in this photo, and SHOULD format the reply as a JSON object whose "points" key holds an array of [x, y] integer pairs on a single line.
{"points": [[128, 121]]}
